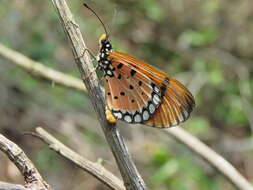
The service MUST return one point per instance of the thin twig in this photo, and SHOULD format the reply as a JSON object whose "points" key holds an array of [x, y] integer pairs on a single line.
{"points": [[38, 69], [217, 161], [10, 186], [92, 168], [129, 173], [179, 134], [31, 175]]}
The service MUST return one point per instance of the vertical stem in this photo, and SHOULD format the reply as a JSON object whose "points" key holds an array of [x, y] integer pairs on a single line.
{"points": [[129, 173]]}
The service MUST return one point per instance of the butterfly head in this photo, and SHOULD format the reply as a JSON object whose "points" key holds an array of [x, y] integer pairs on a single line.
{"points": [[104, 42]]}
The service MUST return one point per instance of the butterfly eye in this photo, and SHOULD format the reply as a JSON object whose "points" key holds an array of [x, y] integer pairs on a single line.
{"points": [[103, 41]]}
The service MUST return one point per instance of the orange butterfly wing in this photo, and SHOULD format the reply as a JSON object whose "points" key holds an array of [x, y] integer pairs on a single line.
{"points": [[130, 95], [176, 101], [150, 71], [177, 104]]}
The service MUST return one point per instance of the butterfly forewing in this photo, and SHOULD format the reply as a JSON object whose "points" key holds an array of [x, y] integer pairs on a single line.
{"points": [[149, 71]]}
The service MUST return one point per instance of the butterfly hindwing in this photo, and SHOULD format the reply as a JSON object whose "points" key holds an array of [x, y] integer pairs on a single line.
{"points": [[131, 96], [176, 101], [177, 104]]}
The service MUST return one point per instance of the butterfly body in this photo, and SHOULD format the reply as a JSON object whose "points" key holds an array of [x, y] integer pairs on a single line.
{"points": [[139, 93]]}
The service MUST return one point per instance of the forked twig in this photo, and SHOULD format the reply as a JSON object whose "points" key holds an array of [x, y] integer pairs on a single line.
{"points": [[31, 175], [92, 168]]}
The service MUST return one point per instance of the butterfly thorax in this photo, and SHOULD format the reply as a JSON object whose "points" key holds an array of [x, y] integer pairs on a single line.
{"points": [[103, 56]]}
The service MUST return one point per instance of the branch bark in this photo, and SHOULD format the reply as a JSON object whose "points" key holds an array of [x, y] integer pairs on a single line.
{"points": [[31, 175], [129, 173], [10, 186]]}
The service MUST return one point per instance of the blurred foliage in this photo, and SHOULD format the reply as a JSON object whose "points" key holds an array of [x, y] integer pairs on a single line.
{"points": [[184, 38]]}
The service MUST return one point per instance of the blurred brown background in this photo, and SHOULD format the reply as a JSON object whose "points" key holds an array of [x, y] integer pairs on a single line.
{"points": [[205, 44]]}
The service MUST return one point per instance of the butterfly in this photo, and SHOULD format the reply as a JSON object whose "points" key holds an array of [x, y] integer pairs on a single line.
{"points": [[139, 93]]}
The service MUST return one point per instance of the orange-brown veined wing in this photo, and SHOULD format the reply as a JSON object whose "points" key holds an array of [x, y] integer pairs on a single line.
{"points": [[150, 71], [176, 106], [130, 95], [176, 101]]}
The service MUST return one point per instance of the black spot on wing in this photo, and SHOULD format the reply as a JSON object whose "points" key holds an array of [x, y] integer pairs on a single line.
{"points": [[120, 65], [163, 88], [132, 72]]}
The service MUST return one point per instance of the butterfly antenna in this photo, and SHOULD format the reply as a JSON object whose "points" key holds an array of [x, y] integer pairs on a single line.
{"points": [[88, 7]]}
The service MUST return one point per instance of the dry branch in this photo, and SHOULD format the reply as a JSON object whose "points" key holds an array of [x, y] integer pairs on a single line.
{"points": [[38, 69], [92, 168], [31, 175], [10, 186], [129, 173], [216, 160]]}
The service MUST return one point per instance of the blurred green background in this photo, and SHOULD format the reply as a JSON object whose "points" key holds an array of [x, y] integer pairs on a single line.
{"points": [[207, 45]]}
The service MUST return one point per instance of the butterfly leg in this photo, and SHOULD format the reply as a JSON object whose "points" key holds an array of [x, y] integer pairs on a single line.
{"points": [[92, 71], [91, 54], [72, 23], [109, 116], [93, 58]]}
